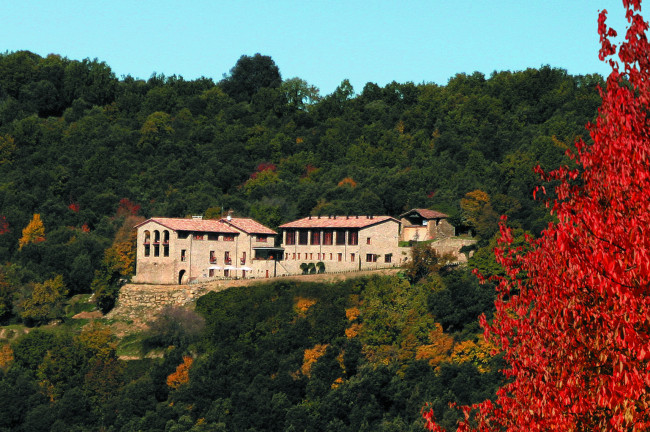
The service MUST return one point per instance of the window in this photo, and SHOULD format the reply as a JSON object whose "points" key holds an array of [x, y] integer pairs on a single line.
{"points": [[368, 240], [213, 258], [243, 258], [340, 257], [371, 258], [303, 235], [182, 235], [327, 237], [183, 255], [388, 258], [165, 237], [353, 238], [298, 255], [226, 273], [351, 257], [261, 238], [211, 272], [228, 237], [147, 250], [226, 257], [166, 250], [291, 237], [311, 256], [213, 236], [147, 237], [315, 237], [340, 237], [331, 257], [156, 237], [156, 250], [198, 236], [294, 256]]}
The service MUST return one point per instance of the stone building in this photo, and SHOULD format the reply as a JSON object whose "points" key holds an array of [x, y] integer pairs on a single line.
{"points": [[178, 251], [425, 224], [341, 243]]}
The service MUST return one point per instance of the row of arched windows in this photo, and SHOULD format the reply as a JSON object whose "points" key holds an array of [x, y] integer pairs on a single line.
{"points": [[156, 243]]}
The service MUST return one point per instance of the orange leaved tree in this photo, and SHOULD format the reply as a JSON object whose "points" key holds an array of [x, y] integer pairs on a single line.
{"points": [[573, 311]]}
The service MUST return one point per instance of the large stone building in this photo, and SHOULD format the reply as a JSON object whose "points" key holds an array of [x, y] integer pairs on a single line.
{"points": [[175, 251], [341, 243], [179, 251], [425, 224]]}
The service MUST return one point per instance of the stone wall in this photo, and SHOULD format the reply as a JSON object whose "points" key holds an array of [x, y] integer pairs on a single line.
{"points": [[141, 303]]}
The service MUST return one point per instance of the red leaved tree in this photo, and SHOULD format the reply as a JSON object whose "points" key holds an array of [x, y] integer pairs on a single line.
{"points": [[573, 313]]}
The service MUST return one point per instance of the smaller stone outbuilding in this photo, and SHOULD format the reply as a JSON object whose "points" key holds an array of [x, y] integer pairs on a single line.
{"points": [[425, 224]]}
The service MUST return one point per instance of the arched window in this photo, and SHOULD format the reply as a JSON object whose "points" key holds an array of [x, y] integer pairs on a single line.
{"points": [[156, 243], [165, 243], [147, 243]]}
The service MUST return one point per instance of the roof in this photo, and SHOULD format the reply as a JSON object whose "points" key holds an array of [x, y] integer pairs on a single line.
{"points": [[180, 224], [249, 226], [426, 214], [338, 221]]}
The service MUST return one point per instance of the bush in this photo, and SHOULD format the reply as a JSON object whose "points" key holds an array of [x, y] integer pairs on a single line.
{"points": [[175, 326]]}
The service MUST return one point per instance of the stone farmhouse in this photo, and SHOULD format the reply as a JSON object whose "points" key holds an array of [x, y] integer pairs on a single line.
{"points": [[425, 224], [180, 251]]}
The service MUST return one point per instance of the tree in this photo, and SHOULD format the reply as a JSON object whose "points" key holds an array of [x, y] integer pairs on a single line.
{"points": [[45, 302], [572, 311], [34, 232], [425, 261], [249, 75]]}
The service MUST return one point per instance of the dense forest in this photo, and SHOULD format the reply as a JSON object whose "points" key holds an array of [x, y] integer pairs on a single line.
{"points": [[85, 155], [90, 153]]}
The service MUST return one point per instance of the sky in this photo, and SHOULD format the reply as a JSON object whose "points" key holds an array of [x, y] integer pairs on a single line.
{"points": [[320, 41]]}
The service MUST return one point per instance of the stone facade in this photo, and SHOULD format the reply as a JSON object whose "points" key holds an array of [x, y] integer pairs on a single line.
{"points": [[341, 243], [178, 251]]}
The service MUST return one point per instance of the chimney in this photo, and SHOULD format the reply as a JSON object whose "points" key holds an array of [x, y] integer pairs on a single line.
{"points": [[334, 216], [309, 217], [357, 216], [197, 217]]}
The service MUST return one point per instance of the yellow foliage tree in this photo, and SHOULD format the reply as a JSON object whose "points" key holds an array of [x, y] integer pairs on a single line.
{"points": [[98, 341], [311, 356], [348, 181], [181, 375], [302, 305], [46, 301], [34, 232], [476, 353], [438, 350], [6, 356]]}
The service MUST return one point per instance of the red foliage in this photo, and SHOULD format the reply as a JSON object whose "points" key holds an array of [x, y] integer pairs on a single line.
{"points": [[573, 313], [127, 208], [264, 166], [85, 228], [4, 225], [74, 207]]}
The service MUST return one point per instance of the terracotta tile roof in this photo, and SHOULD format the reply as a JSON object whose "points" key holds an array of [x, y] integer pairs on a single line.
{"points": [[337, 222], [426, 214], [204, 225], [249, 226]]}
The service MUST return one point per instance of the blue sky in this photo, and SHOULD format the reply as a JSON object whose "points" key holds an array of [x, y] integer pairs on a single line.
{"points": [[320, 41]]}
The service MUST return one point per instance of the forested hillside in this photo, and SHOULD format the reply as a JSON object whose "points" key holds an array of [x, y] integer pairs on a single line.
{"points": [[85, 155], [91, 153], [364, 354]]}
